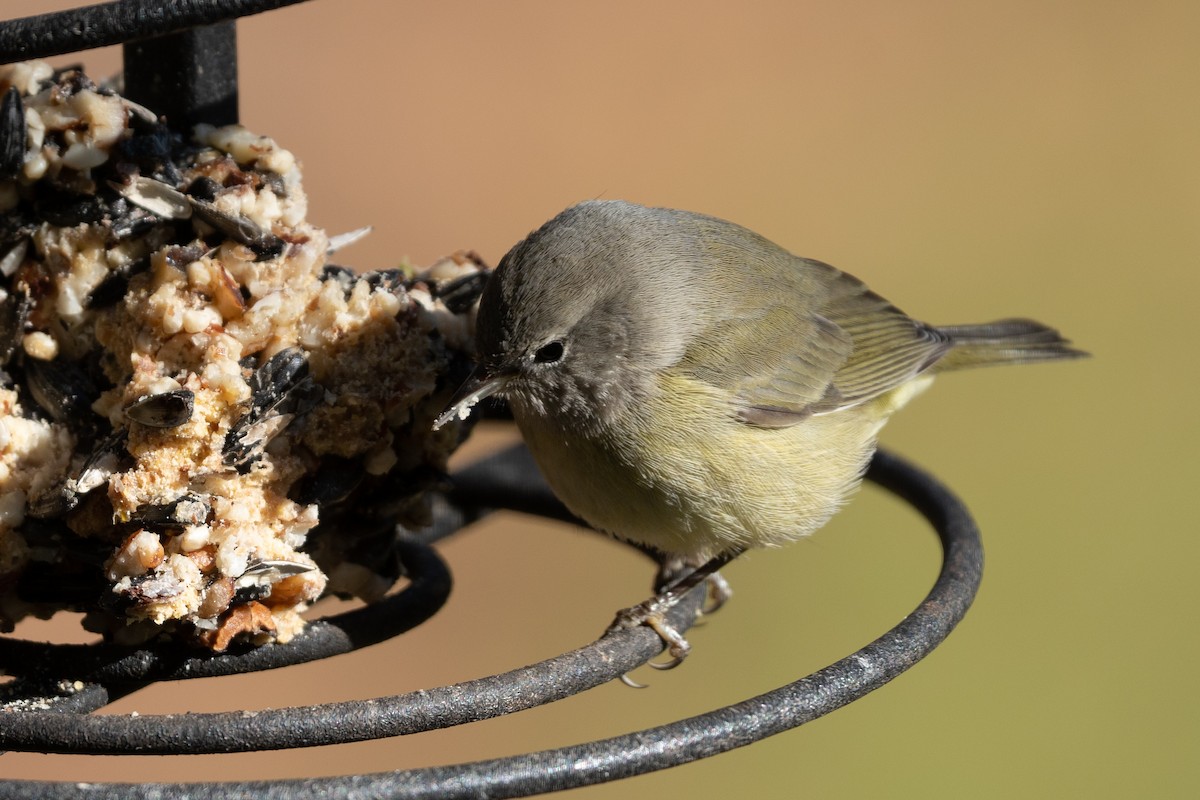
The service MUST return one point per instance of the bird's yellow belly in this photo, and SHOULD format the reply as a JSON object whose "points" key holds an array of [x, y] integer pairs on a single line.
{"points": [[697, 484]]}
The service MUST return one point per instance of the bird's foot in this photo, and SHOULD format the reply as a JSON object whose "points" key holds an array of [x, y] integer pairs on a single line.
{"points": [[719, 592], [653, 614]]}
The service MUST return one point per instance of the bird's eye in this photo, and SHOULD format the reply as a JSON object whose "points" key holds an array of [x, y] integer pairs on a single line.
{"points": [[549, 352]]}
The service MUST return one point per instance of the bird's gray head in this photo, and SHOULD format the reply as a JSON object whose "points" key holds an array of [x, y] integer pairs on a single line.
{"points": [[579, 316]]}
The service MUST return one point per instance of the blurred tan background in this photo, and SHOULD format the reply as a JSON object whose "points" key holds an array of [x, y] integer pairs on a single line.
{"points": [[969, 161]]}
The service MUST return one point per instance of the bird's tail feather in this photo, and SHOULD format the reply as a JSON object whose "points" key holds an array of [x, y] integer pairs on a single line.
{"points": [[1005, 341]]}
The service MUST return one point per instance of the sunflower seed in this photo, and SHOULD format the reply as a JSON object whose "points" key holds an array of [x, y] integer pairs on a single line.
{"points": [[343, 240], [190, 509], [14, 312], [129, 220], [149, 149], [461, 293], [180, 256], [101, 464], [283, 384], [62, 388], [164, 410], [276, 568], [71, 79], [153, 587], [280, 390], [106, 459], [239, 228], [12, 133], [250, 593], [13, 258], [203, 188], [392, 280], [154, 196], [140, 111]]}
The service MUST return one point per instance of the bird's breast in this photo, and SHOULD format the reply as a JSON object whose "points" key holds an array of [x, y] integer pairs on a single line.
{"points": [[680, 473]]}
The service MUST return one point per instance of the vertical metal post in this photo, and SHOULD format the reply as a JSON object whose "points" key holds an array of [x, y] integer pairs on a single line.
{"points": [[188, 77]]}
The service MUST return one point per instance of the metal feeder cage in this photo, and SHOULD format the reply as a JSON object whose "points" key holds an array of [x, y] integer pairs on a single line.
{"points": [[180, 59]]}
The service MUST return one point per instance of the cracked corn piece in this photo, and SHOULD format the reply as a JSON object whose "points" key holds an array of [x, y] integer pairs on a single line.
{"points": [[203, 425]]}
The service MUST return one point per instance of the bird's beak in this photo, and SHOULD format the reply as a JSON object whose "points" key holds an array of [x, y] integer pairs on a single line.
{"points": [[476, 388]]}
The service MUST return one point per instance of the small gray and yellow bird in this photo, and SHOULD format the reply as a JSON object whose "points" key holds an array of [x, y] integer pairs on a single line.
{"points": [[686, 385]]}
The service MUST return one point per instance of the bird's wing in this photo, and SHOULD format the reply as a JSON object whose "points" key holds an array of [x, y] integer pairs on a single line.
{"points": [[890, 348], [828, 345], [776, 363]]}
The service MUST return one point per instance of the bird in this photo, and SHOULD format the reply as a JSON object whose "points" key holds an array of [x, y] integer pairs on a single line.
{"points": [[688, 386]]}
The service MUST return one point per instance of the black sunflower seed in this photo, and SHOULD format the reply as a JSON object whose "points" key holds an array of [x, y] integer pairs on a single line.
{"points": [[461, 293], [271, 381], [153, 587], [158, 197], [343, 240], [180, 256], [14, 312], [127, 220], [276, 568], [71, 79], [62, 388], [190, 509], [163, 410], [246, 594], [239, 228], [203, 188], [12, 133], [280, 390], [275, 182], [108, 457], [149, 148], [391, 280]]}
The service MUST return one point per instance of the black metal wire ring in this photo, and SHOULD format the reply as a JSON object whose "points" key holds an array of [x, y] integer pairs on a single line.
{"points": [[105, 24], [349, 721], [623, 756]]}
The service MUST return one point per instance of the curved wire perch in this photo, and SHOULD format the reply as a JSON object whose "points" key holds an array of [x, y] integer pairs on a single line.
{"points": [[104, 24], [635, 753], [350, 721]]}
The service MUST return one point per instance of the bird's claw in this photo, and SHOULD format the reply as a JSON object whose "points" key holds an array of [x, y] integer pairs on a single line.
{"points": [[719, 592], [677, 646], [631, 683], [652, 614]]}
